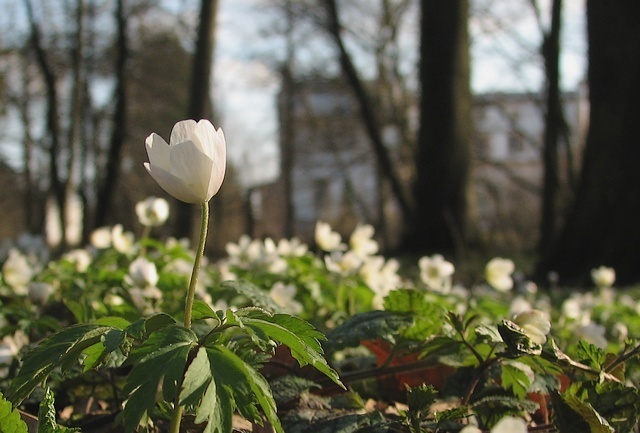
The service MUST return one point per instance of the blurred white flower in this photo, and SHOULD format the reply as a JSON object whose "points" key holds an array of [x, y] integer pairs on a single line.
{"points": [[603, 277], [17, 272], [284, 296], [191, 167], [122, 241], [246, 252], [362, 242], [101, 238], [142, 296], [519, 305], [10, 346], [113, 300], [142, 273], [498, 272], [436, 273], [470, 429], [510, 424], [152, 211], [620, 331], [39, 292], [381, 276], [535, 324], [593, 333], [292, 247], [343, 263], [327, 239], [80, 257]]}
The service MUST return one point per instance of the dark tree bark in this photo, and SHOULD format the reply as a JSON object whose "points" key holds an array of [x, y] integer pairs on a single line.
{"points": [[369, 118], [554, 126], [57, 186], [443, 149], [119, 131], [602, 226], [200, 105]]}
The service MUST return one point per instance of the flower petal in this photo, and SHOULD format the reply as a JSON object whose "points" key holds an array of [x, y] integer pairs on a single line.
{"points": [[172, 184], [193, 167], [183, 131], [157, 150]]}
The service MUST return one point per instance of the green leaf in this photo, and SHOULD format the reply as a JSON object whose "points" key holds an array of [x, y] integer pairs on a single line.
{"points": [[212, 402], [298, 335], [160, 360], [517, 341], [591, 355], [10, 421], [47, 416], [597, 424], [407, 301], [256, 295], [142, 328], [245, 384], [202, 310], [517, 377], [113, 321], [420, 398], [58, 350], [371, 325]]}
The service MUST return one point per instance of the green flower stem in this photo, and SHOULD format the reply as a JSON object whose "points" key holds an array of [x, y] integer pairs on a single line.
{"points": [[176, 416], [191, 293]]}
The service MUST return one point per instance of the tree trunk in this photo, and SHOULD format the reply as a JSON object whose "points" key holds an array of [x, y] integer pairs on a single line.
{"points": [[52, 123], [602, 227], [443, 149], [200, 105], [119, 131], [554, 123], [371, 124]]}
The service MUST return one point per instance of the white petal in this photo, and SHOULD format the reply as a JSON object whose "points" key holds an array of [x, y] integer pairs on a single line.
{"points": [[193, 167], [206, 137], [219, 159], [172, 184], [158, 151], [183, 131]]}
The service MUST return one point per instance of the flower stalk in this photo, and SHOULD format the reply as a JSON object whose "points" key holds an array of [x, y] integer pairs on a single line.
{"points": [[176, 416]]}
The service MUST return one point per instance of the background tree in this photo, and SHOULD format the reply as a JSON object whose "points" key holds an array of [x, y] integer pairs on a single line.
{"points": [[602, 226], [200, 104], [442, 158]]}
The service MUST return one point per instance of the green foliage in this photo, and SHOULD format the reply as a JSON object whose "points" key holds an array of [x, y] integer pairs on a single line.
{"points": [[61, 349], [10, 420], [159, 361], [47, 416]]}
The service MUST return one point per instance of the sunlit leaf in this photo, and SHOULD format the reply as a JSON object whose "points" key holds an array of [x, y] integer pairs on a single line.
{"points": [[10, 421], [47, 422], [160, 360]]}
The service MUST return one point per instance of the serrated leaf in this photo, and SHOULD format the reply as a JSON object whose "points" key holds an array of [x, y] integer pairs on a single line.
{"points": [[591, 355], [407, 301], [47, 416], [257, 296], [287, 388], [517, 377], [490, 332], [370, 325], [420, 398], [10, 421], [452, 414], [517, 341], [58, 350], [298, 335], [161, 359], [597, 424], [245, 384], [113, 321], [201, 391]]}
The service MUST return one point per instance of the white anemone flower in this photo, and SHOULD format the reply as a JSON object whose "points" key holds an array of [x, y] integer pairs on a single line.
{"points": [[80, 257], [152, 211], [123, 242], [284, 296], [603, 277], [436, 273], [535, 324], [142, 273], [362, 242], [101, 238], [192, 165], [510, 424], [347, 263], [17, 272], [498, 272], [327, 239]]}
